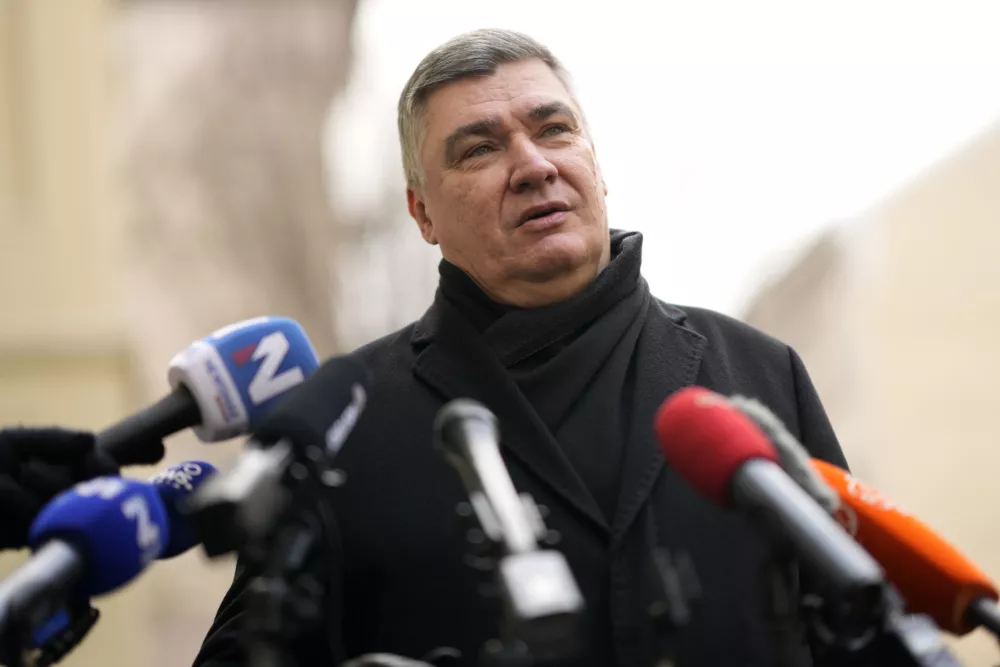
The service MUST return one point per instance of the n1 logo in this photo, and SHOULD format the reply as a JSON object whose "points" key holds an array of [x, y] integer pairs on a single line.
{"points": [[268, 383], [147, 533]]}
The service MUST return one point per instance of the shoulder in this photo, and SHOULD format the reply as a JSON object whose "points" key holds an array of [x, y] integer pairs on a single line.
{"points": [[393, 343], [737, 357], [723, 333], [396, 390], [386, 357]]}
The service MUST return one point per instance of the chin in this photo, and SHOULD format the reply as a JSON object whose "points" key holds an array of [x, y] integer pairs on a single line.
{"points": [[561, 254]]}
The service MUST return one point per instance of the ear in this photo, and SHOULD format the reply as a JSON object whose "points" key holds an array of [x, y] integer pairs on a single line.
{"points": [[418, 211]]}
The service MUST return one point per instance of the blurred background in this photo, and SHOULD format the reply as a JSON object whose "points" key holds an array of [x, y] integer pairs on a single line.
{"points": [[170, 166]]}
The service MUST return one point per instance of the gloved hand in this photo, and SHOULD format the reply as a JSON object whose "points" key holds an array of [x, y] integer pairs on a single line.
{"points": [[37, 464]]}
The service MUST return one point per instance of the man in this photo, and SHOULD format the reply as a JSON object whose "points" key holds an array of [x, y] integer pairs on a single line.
{"points": [[542, 315]]}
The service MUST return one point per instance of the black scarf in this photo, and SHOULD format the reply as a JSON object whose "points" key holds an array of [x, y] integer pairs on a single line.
{"points": [[574, 360]]}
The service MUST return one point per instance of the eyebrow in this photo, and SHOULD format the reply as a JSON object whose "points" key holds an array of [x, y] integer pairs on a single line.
{"points": [[549, 109], [491, 127], [481, 128]]}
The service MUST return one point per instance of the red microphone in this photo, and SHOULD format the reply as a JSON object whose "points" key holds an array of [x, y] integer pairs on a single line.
{"points": [[724, 456], [935, 578]]}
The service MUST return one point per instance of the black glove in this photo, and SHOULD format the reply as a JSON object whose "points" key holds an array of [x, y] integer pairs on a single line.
{"points": [[37, 464]]}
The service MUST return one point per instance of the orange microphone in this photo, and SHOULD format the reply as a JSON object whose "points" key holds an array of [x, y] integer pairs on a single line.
{"points": [[931, 574], [934, 577]]}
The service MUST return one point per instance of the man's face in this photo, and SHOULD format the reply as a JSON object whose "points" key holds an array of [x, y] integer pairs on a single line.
{"points": [[512, 190]]}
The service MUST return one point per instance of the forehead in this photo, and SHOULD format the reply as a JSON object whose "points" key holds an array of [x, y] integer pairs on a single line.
{"points": [[511, 92]]}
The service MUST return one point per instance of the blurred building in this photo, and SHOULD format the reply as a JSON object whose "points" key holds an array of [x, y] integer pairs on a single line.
{"points": [[897, 315]]}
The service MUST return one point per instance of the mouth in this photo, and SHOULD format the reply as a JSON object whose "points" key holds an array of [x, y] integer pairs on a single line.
{"points": [[542, 212]]}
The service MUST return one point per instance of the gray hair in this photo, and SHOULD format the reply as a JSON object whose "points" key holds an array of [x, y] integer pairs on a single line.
{"points": [[475, 53]]}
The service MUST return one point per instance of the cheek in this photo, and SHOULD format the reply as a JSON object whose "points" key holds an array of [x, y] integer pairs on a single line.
{"points": [[583, 174], [473, 205]]}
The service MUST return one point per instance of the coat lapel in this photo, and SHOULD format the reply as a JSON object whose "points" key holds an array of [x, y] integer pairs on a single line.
{"points": [[668, 358], [452, 359]]}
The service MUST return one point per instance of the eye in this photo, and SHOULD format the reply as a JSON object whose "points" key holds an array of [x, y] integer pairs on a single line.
{"points": [[479, 151], [553, 130]]}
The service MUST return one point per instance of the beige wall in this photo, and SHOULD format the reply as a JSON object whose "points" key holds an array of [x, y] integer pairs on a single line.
{"points": [[63, 355], [935, 321], [58, 217], [915, 311]]}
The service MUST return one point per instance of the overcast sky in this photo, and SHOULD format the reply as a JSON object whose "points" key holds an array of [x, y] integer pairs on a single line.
{"points": [[729, 132]]}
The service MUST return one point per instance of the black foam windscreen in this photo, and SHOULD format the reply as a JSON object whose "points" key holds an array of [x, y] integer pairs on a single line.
{"points": [[323, 410]]}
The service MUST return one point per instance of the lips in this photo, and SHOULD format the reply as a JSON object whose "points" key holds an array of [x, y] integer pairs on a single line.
{"points": [[541, 211]]}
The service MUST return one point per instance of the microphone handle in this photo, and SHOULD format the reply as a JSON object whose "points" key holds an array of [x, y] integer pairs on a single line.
{"points": [[135, 440], [35, 590], [765, 489], [983, 612], [494, 480]]}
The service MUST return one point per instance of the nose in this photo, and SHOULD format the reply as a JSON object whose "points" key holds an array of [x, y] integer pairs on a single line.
{"points": [[531, 168]]}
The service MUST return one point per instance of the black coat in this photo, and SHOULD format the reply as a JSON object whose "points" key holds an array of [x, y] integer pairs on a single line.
{"points": [[400, 584]]}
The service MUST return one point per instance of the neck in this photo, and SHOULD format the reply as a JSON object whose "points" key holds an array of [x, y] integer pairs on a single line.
{"points": [[484, 307], [545, 291], [525, 294]]}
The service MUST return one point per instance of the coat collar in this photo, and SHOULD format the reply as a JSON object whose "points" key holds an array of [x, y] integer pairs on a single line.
{"points": [[452, 359]]}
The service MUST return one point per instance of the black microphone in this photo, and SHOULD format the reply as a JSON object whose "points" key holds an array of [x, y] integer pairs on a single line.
{"points": [[542, 600], [794, 458], [441, 657], [270, 507], [299, 437], [384, 660]]}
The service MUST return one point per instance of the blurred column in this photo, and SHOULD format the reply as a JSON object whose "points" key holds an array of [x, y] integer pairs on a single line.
{"points": [[220, 168]]}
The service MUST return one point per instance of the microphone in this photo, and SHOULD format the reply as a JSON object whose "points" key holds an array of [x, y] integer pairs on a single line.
{"points": [[725, 457], [270, 507], [931, 574], [468, 435], [911, 638], [437, 658], [175, 485], [384, 660], [541, 596], [222, 385], [443, 656], [794, 458], [935, 578], [112, 526], [308, 427], [89, 541]]}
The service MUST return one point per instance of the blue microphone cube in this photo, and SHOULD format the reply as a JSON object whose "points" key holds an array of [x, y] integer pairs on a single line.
{"points": [[175, 485], [117, 525]]}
